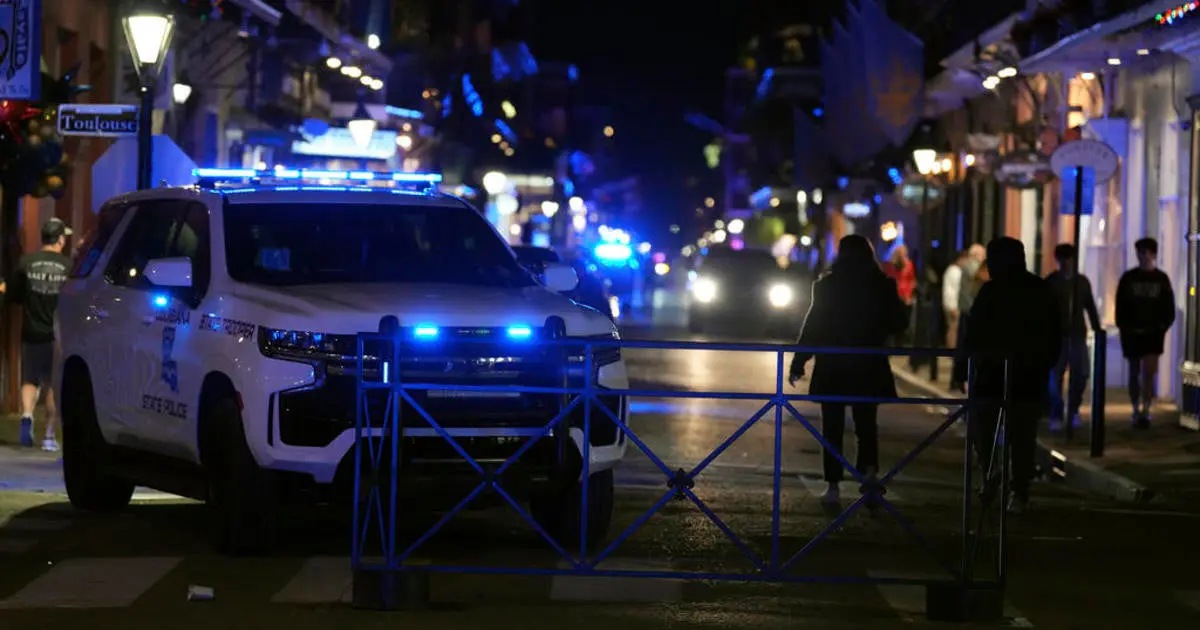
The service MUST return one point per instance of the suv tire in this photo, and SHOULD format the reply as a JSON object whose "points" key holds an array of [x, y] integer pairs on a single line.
{"points": [[85, 453], [242, 497], [560, 513]]}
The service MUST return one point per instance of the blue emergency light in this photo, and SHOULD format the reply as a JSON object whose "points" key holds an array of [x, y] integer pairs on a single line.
{"points": [[520, 332], [303, 174], [613, 252], [425, 332]]}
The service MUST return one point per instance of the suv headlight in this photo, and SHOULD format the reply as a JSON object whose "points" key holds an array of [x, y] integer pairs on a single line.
{"points": [[306, 345], [780, 295], [704, 290]]}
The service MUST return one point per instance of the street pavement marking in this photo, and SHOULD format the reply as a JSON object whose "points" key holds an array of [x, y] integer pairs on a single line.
{"points": [[92, 583], [146, 494], [908, 600], [579, 588], [849, 490], [16, 545], [320, 580], [1191, 599], [36, 524]]}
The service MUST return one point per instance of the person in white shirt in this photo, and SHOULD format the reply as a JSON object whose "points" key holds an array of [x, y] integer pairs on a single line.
{"points": [[952, 284]]}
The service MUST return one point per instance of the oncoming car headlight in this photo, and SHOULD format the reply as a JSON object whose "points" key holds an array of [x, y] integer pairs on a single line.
{"points": [[780, 295], [704, 290]]}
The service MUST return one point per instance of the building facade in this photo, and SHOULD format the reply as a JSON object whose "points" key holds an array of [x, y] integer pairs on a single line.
{"points": [[1124, 73]]}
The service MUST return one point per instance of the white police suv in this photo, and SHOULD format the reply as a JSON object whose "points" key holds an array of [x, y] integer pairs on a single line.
{"points": [[209, 338]]}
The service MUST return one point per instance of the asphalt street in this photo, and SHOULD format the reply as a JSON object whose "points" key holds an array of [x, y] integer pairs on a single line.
{"points": [[1074, 561]]}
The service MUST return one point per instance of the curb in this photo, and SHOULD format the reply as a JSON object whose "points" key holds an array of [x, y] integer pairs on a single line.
{"points": [[1077, 473]]}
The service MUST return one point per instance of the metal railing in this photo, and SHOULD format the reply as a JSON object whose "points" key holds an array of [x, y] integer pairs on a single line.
{"points": [[379, 468]]}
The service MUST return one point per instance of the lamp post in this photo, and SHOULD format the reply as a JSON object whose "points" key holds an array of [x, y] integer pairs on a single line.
{"points": [[148, 31], [362, 125], [925, 159]]}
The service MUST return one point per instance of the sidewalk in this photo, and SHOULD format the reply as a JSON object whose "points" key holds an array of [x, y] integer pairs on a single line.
{"points": [[1160, 465]]}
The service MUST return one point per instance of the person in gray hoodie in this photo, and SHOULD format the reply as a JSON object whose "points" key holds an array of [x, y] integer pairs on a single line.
{"points": [[968, 289]]}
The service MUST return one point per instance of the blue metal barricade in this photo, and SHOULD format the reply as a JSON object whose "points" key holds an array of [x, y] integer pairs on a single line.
{"points": [[378, 467]]}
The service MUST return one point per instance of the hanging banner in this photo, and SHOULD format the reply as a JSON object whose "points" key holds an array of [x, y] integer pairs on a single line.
{"points": [[20, 50], [836, 95], [870, 137], [894, 69]]}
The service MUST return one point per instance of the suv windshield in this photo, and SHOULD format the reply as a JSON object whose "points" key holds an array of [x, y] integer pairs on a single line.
{"points": [[743, 263], [299, 244]]}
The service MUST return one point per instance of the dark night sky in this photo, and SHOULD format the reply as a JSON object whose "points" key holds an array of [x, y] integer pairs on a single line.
{"points": [[650, 62]]}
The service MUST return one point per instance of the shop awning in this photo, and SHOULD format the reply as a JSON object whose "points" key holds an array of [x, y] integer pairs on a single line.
{"points": [[1121, 37]]}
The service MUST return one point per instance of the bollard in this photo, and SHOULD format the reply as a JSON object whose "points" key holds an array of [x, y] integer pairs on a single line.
{"points": [[958, 602], [383, 589], [1099, 384]]}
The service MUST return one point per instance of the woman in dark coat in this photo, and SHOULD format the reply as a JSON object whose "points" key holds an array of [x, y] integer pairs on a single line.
{"points": [[855, 305]]}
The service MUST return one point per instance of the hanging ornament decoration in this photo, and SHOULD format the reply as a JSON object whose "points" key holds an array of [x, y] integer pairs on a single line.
{"points": [[1176, 14], [32, 159]]}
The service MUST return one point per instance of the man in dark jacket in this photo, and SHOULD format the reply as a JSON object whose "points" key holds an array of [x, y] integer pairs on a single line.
{"points": [[1073, 291], [1014, 336]]}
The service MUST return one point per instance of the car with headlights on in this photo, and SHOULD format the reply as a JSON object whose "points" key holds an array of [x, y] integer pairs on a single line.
{"points": [[747, 290], [210, 349]]}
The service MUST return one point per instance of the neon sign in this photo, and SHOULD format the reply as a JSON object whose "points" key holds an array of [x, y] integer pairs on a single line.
{"points": [[1176, 14]]}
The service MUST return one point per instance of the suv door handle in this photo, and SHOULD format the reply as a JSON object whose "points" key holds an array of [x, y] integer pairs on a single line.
{"points": [[97, 312]]}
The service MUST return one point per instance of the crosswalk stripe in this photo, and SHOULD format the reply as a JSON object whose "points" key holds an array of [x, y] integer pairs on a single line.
{"points": [[320, 580], [92, 583]]}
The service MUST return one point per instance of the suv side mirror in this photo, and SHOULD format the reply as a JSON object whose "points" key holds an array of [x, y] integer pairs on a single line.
{"points": [[169, 272], [560, 278]]}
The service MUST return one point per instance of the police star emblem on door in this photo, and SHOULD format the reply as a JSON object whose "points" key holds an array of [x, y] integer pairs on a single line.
{"points": [[170, 371]]}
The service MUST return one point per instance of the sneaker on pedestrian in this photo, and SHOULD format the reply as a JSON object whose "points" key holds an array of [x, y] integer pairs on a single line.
{"points": [[1141, 420], [50, 445], [26, 435], [1017, 504]]}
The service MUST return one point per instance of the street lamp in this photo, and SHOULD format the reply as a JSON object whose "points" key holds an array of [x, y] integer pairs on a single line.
{"points": [[925, 159], [495, 182], [362, 126], [182, 90], [148, 31]]}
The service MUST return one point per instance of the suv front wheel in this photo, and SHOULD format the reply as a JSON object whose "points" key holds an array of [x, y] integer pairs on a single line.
{"points": [[561, 513], [242, 497], [85, 453]]}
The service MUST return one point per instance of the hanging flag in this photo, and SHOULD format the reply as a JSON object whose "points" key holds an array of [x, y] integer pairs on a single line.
{"points": [[894, 72], [835, 94], [870, 138], [843, 128]]}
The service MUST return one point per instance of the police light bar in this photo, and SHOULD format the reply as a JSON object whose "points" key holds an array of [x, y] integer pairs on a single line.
{"points": [[292, 174]]}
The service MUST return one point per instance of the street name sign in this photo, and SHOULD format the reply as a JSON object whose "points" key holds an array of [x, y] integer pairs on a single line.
{"points": [[106, 121], [1093, 154]]}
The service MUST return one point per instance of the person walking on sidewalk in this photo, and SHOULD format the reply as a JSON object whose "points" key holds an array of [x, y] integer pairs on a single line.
{"points": [[39, 278], [1014, 335], [1073, 291], [1145, 312], [974, 275], [953, 280], [855, 305]]}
